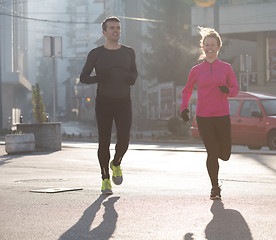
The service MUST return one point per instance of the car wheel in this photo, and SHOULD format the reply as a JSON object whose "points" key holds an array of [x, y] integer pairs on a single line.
{"points": [[272, 140], [254, 147]]}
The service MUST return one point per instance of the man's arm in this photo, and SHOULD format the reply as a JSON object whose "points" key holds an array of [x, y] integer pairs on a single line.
{"points": [[88, 68], [133, 69]]}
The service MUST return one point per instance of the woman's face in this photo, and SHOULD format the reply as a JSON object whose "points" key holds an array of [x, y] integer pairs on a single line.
{"points": [[210, 47]]}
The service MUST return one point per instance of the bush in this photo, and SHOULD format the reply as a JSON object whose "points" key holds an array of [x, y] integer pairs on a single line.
{"points": [[174, 125], [39, 108], [179, 127]]}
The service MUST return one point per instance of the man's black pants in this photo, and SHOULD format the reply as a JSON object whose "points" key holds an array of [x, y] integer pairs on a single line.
{"points": [[108, 110]]}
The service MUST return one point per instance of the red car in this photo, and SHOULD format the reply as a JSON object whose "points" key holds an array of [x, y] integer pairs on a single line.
{"points": [[253, 120]]}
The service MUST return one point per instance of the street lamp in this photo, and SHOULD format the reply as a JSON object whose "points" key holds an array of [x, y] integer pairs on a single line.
{"points": [[209, 3], [205, 3]]}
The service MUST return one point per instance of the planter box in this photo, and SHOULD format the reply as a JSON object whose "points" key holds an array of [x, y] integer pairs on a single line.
{"points": [[47, 135], [18, 143]]}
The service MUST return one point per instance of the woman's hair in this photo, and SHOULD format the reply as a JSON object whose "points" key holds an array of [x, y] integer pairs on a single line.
{"points": [[207, 32]]}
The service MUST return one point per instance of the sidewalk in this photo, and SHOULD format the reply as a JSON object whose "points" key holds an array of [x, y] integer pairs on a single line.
{"points": [[164, 196], [78, 131], [178, 146]]}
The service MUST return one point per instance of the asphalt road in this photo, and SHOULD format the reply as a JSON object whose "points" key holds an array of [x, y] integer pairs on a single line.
{"points": [[165, 195]]}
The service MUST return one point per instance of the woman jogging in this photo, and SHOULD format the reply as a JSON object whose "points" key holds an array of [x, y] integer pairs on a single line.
{"points": [[216, 82]]}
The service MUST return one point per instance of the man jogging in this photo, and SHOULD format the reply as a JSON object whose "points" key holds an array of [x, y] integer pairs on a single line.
{"points": [[116, 71]]}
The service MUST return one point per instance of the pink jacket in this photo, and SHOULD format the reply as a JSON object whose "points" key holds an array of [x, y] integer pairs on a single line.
{"points": [[211, 102]]}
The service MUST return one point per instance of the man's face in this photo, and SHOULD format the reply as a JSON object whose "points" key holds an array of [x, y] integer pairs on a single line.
{"points": [[113, 31]]}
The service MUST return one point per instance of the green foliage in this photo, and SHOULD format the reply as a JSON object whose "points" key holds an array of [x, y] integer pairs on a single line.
{"points": [[5, 131], [174, 125], [173, 50], [16, 132], [38, 106], [178, 127]]}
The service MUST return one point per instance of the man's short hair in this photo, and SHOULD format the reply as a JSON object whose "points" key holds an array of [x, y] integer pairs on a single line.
{"points": [[109, 19]]}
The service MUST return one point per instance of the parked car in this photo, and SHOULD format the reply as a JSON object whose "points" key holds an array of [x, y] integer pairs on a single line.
{"points": [[253, 120]]}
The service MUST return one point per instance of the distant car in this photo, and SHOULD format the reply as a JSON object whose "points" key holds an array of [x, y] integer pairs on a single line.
{"points": [[253, 120]]}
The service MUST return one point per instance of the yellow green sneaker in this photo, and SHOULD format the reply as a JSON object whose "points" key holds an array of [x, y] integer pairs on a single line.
{"points": [[117, 176], [106, 187]]}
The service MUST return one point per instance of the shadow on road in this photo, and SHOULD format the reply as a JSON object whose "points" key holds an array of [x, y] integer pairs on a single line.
{"points": [[7, 158], [81, 230], [4, 159], [227, 224], [262, 159], [189, 236]]}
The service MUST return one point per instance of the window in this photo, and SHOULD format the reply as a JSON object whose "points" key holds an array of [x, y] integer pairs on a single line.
{"points": [[249, 107], [233, 106], [272, 59], [269, 107]]}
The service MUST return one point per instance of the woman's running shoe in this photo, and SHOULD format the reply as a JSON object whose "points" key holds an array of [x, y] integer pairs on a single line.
{"points": [[215, 193]]}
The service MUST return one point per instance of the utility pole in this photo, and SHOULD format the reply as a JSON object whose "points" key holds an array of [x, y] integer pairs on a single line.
{"points": [[52, 47], [216, 16]]}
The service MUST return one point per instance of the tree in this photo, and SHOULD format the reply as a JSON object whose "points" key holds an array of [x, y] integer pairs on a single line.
{"points": [[38, 106], [172, 48]]}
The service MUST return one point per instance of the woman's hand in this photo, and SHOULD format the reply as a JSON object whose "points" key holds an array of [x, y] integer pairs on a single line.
{"points": [[224, 89], [184, 115]]}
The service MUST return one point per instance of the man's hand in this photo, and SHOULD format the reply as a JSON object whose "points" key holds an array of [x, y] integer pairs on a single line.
{"points": [[184, 115], [224, 89]]}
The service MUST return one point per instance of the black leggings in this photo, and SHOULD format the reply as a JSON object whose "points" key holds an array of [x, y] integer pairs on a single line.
{"points": [[215, 133], [108, 110]]}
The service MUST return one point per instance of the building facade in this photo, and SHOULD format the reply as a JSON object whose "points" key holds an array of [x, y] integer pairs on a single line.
{"points": [[250, 27], [81, 38], [74, 23], [15, 85]]}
